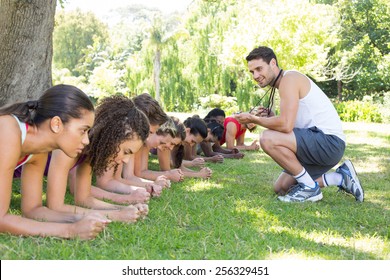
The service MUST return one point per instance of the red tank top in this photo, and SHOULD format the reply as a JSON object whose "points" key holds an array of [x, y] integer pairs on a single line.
{"points": [[240, 129]]}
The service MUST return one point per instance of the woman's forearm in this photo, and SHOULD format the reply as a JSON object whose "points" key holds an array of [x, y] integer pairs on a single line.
{"points": [[64, 215], [18, 225]]}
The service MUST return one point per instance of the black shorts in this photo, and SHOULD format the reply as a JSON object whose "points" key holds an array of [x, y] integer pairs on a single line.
{"points": [[316, 151]]}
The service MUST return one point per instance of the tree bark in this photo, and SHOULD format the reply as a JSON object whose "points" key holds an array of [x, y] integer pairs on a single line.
{"points": [[339, 90], [26, 48], [157, 69]]}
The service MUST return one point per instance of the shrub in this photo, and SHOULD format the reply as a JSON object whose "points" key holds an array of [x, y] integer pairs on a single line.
{"points": [[356, 110], [384, 107], [226, 103]]}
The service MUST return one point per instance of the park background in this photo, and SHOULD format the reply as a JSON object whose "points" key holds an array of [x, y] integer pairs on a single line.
{"points": [[192, 60]]}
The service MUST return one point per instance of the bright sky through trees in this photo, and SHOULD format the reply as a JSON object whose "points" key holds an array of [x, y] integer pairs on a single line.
{"points": [[101, 7]]}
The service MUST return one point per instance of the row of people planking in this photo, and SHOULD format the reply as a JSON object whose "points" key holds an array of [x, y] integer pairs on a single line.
{"points": [[62, 136]]}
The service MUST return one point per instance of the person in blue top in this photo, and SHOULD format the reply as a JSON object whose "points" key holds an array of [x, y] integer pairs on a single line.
{"points": [[306, 139]]}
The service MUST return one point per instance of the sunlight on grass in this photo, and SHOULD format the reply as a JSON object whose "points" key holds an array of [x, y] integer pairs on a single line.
{"points": [[266, 223], [374, 165], [361, 138], [381, 200], [203, 185], [366, 126], [261, 218], [235, 215], [289, 255], [358, 243], [367, 244], [260, 160]]}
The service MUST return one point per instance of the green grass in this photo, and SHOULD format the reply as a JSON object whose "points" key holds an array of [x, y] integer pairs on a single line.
{"points": [[236, 215]]}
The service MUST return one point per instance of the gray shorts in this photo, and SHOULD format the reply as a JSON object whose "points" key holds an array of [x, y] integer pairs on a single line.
{"points": [[316, 151]]}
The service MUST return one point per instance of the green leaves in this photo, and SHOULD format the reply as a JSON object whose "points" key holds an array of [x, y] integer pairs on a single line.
{"points": [[73, 34], [202, 52]]}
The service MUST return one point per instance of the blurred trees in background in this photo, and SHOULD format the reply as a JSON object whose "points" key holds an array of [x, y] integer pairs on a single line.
{"points": [[181, 58]]}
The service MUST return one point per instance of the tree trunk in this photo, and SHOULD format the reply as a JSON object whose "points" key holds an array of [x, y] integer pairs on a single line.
{"points": [[26, 48], [339, 90], [157, 69]]}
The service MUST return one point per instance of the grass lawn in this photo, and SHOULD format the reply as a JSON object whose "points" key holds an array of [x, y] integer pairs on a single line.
{"points": [[236, 215]]}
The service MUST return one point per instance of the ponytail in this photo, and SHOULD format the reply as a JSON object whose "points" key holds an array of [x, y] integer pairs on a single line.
{"points": [[64, 101]]}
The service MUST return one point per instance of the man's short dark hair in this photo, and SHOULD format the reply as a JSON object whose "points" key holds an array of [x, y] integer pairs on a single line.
{"points": [[262, 52]]}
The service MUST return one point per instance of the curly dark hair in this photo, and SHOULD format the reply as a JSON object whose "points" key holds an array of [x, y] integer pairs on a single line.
{"points": [[117, 120]]}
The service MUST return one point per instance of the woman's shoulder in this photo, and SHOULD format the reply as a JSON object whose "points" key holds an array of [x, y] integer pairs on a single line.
{"points": [[9, 127], [10, 140], [5, 119]]}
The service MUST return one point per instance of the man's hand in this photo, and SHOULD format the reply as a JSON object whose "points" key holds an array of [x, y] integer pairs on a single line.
{"points": [[244, 118], [262, 112]]}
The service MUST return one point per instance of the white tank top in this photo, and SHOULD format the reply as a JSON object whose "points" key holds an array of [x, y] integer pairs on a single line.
{"points": [[23, 128], [316, 109]]}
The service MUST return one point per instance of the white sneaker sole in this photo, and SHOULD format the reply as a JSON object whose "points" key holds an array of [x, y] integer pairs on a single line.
{"points": [[312, 199], [351, 168]]}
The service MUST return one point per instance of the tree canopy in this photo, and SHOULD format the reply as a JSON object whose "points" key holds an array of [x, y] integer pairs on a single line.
{"points": [[180, 58]]}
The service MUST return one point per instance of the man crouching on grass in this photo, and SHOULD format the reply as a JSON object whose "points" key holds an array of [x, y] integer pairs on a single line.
{"points": [[306, 139]]}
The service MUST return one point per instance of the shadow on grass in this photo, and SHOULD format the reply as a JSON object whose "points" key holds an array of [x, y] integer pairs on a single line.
{"points": [[236, 215]]}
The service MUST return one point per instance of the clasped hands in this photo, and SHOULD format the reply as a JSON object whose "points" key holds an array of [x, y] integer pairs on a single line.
{"points": [[260, 111]]}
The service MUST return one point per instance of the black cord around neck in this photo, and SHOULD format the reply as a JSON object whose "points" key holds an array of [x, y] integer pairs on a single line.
{"points": [[277, 78], [271, 96]]}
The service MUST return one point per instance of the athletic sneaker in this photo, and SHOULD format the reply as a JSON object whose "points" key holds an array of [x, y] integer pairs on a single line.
{"points": [[302, 193], [350, 183]]}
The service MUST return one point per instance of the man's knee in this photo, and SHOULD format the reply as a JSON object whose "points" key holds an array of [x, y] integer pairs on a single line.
{"points": [[266, 140]]}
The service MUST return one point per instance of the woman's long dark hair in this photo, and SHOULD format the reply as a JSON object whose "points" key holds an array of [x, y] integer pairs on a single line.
{"points": [[151, 108], [180, 132], [64, 101], [117, 120]]}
